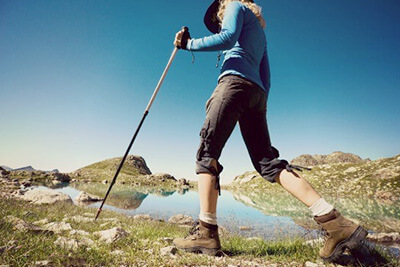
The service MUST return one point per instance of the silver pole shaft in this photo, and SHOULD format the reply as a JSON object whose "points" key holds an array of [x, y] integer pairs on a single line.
{"points": [[161, 79]]}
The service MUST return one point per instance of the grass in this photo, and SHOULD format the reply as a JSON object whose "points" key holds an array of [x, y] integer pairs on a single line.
{"points": [[140, 247]]}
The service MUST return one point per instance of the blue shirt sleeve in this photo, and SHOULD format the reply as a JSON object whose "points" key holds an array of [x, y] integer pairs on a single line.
{"points": [[231, 27], [265, 75]]}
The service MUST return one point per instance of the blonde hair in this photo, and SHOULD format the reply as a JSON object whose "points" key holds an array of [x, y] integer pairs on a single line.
{"points": [[256, 9]]}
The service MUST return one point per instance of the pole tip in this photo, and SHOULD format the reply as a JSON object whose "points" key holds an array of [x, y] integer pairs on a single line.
{"points": [[97, 215]]}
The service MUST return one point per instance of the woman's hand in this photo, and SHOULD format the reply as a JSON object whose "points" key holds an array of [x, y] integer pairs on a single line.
{"points": [[182, 38]]}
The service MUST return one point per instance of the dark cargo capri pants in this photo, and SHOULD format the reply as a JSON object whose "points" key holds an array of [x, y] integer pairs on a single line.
{"points": [[236, 99]]}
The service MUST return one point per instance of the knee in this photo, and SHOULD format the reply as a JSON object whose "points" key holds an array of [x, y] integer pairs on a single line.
{"points": [[208, 165]]}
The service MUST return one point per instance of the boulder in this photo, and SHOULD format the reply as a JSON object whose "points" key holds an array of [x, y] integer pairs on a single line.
{"points": [[86, 197], [62, 177], [46, 196], [181, 219], [112, 235], [143, 217]]}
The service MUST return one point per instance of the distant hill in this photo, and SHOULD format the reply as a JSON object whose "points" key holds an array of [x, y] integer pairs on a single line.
{"points": [[6, 168], [134, 166], [335, 157], [25, 169]]}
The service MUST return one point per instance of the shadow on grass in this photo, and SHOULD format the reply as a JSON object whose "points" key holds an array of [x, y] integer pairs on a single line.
{"points": [[366, 254]]}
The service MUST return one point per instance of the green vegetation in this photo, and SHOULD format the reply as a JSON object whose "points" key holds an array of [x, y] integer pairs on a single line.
{"points": [[366, 192], [368, 179], [142, 246]]}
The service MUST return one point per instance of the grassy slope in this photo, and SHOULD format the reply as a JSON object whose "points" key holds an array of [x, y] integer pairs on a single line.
{"points": [[105, 170], [332, 180], [353, 193]]}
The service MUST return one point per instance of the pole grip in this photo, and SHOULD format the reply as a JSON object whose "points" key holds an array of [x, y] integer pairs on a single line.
{"points": [[185, 37]]}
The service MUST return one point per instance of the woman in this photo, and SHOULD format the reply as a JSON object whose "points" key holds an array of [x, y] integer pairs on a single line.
{"points": [[241, 96]]}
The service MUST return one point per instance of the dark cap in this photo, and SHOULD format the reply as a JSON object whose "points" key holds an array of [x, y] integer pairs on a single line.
{"points": [[210, 18]]}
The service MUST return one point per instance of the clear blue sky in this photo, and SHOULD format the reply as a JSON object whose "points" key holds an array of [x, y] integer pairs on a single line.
{"points": [[76, 76]]}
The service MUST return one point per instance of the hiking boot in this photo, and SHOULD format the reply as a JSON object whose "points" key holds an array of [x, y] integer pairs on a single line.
{"points": [[202, 238], [341, 233]]}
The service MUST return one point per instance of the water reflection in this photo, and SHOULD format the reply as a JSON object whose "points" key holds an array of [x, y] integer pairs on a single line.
{"points": [[126, 197], [375, 215], [263, 213]]}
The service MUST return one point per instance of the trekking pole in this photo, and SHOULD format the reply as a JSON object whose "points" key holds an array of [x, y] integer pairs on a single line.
{"points": [[186, 31]]}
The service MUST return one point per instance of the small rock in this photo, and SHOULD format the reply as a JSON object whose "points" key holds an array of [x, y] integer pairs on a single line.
{"points": [[314, 242], [117, 252], [171, 250], [73, 243], [43, 221], [181, 219], [56, 182], [78, 219], [245, 228], [112, 235], [58, 227], [78, 233], [350, 170], [43, 263], [166, 239], [66, 242], [143, 217], [310, 264]]}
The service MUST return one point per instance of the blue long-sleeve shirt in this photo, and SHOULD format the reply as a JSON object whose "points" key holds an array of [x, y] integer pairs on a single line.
{"points": [[244, 43]]}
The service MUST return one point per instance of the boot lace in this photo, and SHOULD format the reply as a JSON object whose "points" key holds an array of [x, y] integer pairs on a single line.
{"points": [[195, 230]]}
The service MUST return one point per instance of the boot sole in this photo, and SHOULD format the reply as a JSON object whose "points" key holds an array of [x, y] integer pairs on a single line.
{"points": [[353, 241], [203, 250]]}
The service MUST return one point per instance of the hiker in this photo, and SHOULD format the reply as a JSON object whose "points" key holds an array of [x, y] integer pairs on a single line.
{"points": [[241, 96]]}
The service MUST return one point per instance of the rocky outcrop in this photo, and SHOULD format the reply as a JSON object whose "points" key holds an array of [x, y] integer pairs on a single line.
{"points": [[84, 197], [335, 157], [45, 196], [139, 163], [162, 177], [112, 235], [4, 173], [244, 178]]}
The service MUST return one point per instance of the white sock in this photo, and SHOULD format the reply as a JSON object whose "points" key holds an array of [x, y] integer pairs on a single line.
{"points": [[320, 207], [208, 217]]}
